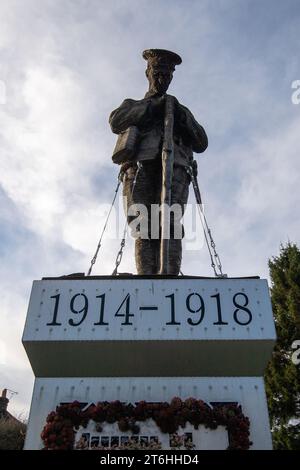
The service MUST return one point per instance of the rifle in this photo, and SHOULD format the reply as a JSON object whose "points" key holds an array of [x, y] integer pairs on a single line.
{"points": [[167, 175]]}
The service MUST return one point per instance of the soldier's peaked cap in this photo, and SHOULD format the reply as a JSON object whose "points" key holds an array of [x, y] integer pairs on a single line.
{"points": [[161, 58]]}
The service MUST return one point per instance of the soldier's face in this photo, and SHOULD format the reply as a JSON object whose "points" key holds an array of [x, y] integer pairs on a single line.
{"points": [[160, 80]]}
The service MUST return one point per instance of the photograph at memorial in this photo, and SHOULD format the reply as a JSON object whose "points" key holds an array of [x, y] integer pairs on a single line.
{"points": [[149, 241]]}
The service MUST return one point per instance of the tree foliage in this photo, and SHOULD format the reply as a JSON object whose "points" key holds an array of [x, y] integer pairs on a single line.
{"points": [[282, 375]]}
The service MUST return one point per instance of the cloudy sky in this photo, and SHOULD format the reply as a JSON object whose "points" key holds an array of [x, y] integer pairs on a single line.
{"points": [[65, 64]]}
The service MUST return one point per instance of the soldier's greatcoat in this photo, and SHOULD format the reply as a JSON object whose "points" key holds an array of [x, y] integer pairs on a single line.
{"points": [[189, 136]]}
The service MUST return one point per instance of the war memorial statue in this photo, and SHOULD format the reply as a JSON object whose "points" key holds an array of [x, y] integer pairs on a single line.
{"points": [[157, 138], [179, 358]]}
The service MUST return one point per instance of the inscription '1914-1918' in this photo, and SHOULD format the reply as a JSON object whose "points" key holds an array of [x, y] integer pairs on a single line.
{"points": [[194, 314]]}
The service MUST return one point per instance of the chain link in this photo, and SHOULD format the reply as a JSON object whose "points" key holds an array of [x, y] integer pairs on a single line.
{"points": [[120, 254], [123, 241]]}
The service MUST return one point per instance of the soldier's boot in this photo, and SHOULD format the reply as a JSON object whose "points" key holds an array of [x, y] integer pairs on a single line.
{"points": [[147, 256]]}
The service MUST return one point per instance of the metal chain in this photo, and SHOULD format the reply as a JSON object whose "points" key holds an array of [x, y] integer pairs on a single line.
{"points": [[216, 256], [123, 241], [94, 259], [211, 246], [120, 252]]}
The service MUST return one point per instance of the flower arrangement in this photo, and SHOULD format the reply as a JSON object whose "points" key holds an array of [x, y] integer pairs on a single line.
{"points": [[62, 424]]}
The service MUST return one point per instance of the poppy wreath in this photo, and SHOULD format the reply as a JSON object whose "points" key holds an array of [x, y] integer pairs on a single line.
{"points": [[61, 425]]}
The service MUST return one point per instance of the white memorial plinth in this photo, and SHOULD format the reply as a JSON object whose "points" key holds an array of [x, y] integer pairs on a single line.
{"points": [[135, 338], [247, 391]]}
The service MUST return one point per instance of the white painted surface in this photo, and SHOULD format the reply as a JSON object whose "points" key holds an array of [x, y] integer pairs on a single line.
{"points": [[247, 391], [149, 325], [145, 343]]}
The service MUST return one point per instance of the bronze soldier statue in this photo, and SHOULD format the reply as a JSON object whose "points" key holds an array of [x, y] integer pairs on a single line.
{"points": [[148, 161]]}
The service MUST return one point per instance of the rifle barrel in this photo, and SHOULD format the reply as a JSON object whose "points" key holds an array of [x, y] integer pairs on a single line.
{"points": [[167, 176]]}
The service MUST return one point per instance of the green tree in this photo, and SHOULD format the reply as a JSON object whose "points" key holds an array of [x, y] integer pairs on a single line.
{"points": [[282, 375]]}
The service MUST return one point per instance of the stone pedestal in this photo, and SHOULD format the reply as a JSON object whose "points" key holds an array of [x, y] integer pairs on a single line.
{"points": [[150, 339]]}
